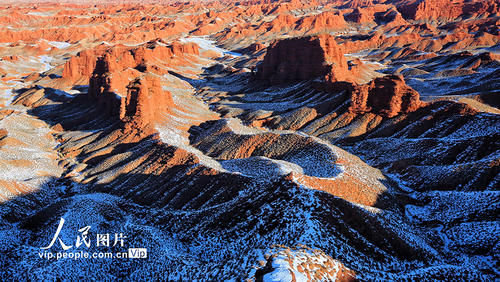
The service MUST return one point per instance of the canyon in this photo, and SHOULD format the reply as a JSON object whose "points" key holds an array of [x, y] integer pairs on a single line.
{"points": [[252, 140]]}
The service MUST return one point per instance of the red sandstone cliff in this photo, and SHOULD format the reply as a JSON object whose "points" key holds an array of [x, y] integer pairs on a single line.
{"points": [[146, 102], [319, 56], [101, 89], [303, 58], [120, 57], [435, 9], [387, 96]]}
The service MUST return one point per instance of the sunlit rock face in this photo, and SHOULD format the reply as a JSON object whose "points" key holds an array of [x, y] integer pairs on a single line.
{"points": [[304, 58]]}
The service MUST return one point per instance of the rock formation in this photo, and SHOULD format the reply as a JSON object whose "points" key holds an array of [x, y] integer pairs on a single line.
{"points": [[101, 87], [360, 16], [303, 58], [436, 9], [324, 21], [146, 102], [121, 57], [387, 96]]}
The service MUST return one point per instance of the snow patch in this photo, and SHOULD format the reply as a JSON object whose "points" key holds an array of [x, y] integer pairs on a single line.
{"points": [[59, 44], [207, 44]]}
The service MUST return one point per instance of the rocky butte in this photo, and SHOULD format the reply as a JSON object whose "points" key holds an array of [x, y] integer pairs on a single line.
{"points": [[146, 102], [440, 9], [387, 96], [119, 86], [320, 56], [80, 67], [303, 58]]}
